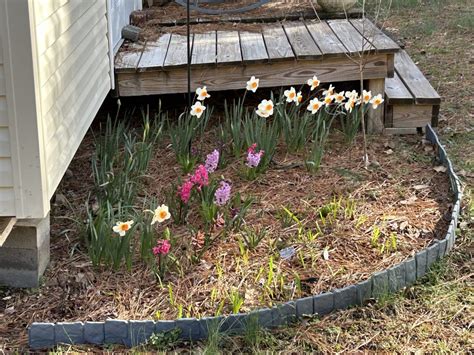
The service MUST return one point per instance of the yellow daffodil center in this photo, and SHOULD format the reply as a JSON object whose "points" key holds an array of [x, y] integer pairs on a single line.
{"points": [[327, 100], [366, 98], [203, 93], [339, 97], [291, 95], [198, 109], [162, 214], [300, 98], [378, 101], [124, 227], [269, 107], [253, 85], [315, 106]]}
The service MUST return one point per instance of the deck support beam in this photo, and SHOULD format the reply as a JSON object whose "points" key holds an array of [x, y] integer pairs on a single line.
{"points": [[25, 253], [375, 119]]}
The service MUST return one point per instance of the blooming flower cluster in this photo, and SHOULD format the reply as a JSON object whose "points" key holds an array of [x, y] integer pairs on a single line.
{"points": [[212, 160], [161, 214], [252, 84], [200, 177], [222, 194], [162, 247], [254, 157]]}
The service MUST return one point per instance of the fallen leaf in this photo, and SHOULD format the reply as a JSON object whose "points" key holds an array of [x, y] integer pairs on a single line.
{"points": [[440, 169], [410, 201], [403, 225], [389, 151], [326, 253]]}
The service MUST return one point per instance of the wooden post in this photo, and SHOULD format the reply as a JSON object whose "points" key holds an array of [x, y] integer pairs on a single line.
{"points": [[375, 121]]}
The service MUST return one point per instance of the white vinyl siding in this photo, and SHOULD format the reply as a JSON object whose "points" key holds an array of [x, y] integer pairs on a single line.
{"points": [[73, 76], [7, 194]]}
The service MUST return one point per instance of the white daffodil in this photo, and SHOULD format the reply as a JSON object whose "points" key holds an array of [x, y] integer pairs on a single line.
{"points": [[366, 96], [350, 104], [265, 108], [122, 227], [252, 84], [314, 105], [299, 98], [291, 95], [328, 99], [197, 109], [314, 82], [202, 93], [339, 97], [376, 101], [161, 214], [329, 91], [352, 94]]}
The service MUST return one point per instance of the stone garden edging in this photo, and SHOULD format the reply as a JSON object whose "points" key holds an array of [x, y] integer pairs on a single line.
{"points": [[135, 332]]}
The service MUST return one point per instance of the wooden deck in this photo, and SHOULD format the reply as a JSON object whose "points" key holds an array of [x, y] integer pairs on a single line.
{"points": [[285, 53]]}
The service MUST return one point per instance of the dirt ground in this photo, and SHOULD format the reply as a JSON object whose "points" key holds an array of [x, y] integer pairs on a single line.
{"points": [[435, 315]]}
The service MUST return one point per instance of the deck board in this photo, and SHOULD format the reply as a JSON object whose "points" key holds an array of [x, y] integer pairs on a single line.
{"points": [[396, 91], [277, 44], [349, 36], [381, 41], [228, 47], [154, 53], [128, 60], [414, 79], [301, 41], [326, 39], [253, 47], [177, 51], [204, 48]]}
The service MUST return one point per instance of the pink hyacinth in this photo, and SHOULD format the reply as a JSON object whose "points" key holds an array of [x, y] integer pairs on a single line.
{"points": [[200, 177], [212, 160], [222, 194], [253, 157], [162, 247], [184, 191]]}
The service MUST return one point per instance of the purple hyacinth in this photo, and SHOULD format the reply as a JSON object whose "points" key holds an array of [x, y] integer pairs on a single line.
{"points": [[253, 159], [222, 194], [212, 160]]}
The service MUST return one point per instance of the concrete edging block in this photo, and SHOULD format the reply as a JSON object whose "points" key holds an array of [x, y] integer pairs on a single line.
{"points": [[323, 303], [420, 258], [163, 326], [41, 335], [190, 328], [345, 297], [94, 332], [140, 331], [432, 253], [234, 323], [69, 333], [380, 284], [304, 306], [396, 277], [410, 271], [210, 323], [116, 331], [364, 291], [284, 314], [442, 248]]}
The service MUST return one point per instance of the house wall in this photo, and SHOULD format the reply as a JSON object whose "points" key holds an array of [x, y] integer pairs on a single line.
{"points": [[7, 194], [73, 75]]}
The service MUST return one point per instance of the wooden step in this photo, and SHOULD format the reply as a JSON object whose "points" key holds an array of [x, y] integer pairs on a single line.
{"points": [[410, 100]]}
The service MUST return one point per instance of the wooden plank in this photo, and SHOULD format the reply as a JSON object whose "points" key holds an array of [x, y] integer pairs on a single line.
{"points": [[380, 40], [375, 118], [6, 172], [301, 41], [349, 36], [253, 47], [177, 51], [204, 48], [154, 53], [326, 39], [414, 79], [411, 116], [3, 112], [277, 44], [280, 73], [6, 226], [396, 92], [2, 81], [228, 47]]}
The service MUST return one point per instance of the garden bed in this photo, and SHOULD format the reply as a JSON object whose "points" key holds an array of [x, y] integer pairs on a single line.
{"points": [[319, 230]]}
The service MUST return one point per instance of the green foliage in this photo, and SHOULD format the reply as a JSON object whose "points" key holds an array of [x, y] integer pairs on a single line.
{"points": [[232, 130], [319, 136], [295, 125], [252, 236], [350, 122], [164, 340], [236, 300]]}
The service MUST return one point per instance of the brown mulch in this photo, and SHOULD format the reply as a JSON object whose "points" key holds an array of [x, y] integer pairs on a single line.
{"points": [[400, 192]]}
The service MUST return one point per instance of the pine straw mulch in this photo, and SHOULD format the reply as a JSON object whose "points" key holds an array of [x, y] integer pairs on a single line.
{"points": [[400, 188]]}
